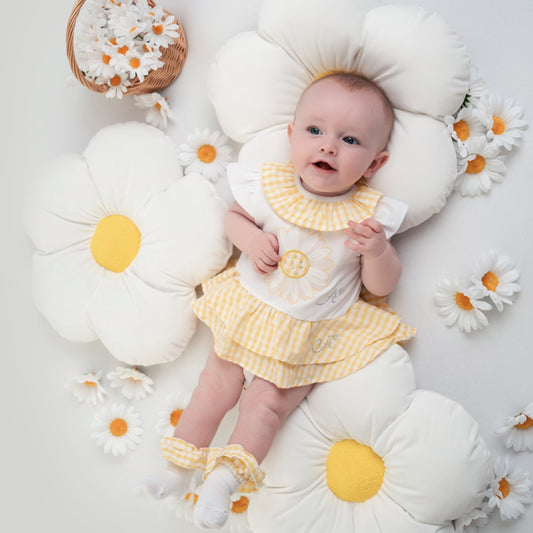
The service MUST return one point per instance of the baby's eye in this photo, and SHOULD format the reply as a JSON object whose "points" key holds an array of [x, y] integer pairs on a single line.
{"points": [[313, 130], [350, 140]]}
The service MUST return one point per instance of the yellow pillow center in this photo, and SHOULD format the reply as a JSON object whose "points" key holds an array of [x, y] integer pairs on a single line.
{"points": [[354, 472], [115, 242]]}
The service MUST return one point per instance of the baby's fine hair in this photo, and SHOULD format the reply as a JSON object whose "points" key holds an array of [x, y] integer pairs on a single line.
{"points": [[354, 81]]}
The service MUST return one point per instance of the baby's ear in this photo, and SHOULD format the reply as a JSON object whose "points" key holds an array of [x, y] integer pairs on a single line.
{"points": [[290, 129], [376, 164]]}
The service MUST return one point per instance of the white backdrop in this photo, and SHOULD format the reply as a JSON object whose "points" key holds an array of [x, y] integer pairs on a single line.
{"points": [[53, 477]]}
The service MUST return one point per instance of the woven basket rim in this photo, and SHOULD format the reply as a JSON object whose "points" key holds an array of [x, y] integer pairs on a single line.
{"points": [[172, 56]]}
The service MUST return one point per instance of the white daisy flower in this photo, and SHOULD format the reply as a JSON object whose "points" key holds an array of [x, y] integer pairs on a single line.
{"points": [[477, 88], [510, 489], [482, 166], [118, 429], [503, 120], [304, 265], [184, 507], [476, 519], [127, 26], [158, 111], [461, 305], [163, 31], [169, 417], [118, 85], [139, 65], [517, 432], [87, 388], [496, 275], [133, 384], [238, 516], [207, 153], [98, 62], [464, 127]]}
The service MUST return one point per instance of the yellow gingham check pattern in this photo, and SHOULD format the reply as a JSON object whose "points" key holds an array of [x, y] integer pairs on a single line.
{"points": [[286, 199], [287, 351], [242, 464]]}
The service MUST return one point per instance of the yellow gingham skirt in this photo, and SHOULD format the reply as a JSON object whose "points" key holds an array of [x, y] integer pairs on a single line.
{"points": [[287, 351]]}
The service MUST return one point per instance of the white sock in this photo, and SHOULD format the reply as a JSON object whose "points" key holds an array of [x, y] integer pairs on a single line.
{"points": [[171, 481], [214, 502]]}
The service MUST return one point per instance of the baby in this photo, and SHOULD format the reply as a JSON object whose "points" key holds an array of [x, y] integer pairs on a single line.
{"points": [[289, 314]]}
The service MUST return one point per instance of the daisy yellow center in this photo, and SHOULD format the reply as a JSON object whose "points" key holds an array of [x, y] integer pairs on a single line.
{"points": [[123, 50], [476, 165], [207, 153], [294, 264], [240, 505], [175, 416], [463, 301], [118, 427], [498, 125], [526, 424], [461, 130], [504, 487], [158, 29], [134, 62], [90, 383], [190, 495], [354, 472], [106, 59], [115, 242], [490, 281], [115, 80]]}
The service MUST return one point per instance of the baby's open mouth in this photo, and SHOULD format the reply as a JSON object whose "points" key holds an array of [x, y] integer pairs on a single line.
{"points": [[323, 165]]}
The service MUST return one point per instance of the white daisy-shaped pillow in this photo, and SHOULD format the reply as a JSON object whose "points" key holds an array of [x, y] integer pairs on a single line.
{"points": [[371, 454], [122, 241], [410, 53]]}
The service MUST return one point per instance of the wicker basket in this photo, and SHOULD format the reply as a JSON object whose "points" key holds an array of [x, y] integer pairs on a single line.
{"points": [[173, 57]]}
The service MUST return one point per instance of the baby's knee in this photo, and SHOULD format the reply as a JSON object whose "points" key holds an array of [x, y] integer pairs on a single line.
{"points": [[218, 390], [271, 405]]}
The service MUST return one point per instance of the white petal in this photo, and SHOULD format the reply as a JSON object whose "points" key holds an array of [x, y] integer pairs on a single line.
{"points": [[410, 154], [138, 324], [183, 238], [416, 58], [63, 284], [254, 86], [323, 36], [62, 206], [392, 370], [437, 466], [130, 164]]}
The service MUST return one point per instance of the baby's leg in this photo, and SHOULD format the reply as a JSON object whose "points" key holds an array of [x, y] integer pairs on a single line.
{"points": [[218, 390], [263, 408]]}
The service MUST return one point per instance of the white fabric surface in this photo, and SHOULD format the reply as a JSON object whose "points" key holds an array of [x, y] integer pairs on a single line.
{"points": [[71, 482]]}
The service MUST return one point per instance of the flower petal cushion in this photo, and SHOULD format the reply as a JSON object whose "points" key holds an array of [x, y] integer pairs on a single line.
{"points": [[370, 453], [122, 241], [412, 54]]}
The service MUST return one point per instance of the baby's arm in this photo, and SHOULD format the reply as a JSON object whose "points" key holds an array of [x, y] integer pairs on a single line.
{"points": [[261, 247], [380, 266]]}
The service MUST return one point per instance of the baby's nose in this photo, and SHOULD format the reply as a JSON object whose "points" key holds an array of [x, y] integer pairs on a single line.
{"points": [[328, 148]]}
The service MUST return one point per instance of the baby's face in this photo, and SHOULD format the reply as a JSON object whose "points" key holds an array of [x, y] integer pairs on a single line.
{"points": [[338, 136]]}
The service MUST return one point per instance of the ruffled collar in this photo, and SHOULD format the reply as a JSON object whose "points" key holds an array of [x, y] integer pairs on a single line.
{"points": [[296, 205]]}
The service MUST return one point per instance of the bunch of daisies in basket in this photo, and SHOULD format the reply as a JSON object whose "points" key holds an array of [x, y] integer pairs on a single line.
{"points": [[117, 43], [485, 129]]}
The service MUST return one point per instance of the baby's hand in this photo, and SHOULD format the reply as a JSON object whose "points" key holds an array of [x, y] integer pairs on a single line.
{"points": [[366, 237], [263, 253]]}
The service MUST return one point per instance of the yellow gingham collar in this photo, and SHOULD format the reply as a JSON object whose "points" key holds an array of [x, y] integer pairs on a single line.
{"points": [[295, 205]]}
